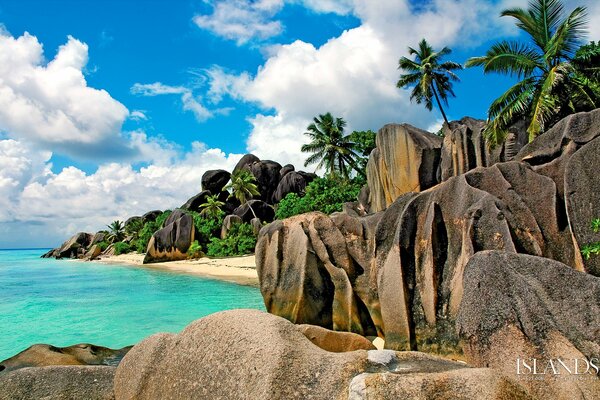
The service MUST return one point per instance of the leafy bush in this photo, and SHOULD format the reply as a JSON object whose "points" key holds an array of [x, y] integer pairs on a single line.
{"points": [[141, 244], [122, 248], [593, 248], [103, 245], [323, 194], [207, 227], [239, 241], [195, 250]]}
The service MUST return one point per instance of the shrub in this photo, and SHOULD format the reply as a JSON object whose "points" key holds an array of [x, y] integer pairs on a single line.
{"points": [[141, 244], [207, 227], [592, 248], [323, 194], [122, 248], [240, 240], [195, 250], [103, 245]]}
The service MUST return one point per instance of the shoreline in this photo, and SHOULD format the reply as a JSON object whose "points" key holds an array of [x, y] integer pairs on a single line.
{"points": [[240, 270]]}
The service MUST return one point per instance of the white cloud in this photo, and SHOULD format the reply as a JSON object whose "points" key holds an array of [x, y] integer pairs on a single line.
{"points": [[50, 104], [189, 101], [138, 115], [242, 20]]}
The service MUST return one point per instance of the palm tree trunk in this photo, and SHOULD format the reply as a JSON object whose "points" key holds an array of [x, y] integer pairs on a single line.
{"points": [[439, 103]]}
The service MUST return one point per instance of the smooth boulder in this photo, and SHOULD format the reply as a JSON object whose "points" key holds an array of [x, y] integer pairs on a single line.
{"points": [[215, 180], [255, 209], [194, 202], [173, 241], [292, 182]]}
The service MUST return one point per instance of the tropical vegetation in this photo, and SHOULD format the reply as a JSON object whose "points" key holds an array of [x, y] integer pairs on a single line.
{"points": [[116, 231], [555, 79], [330, 148], [240, 240], [243, 186], [592, 248], [213, 207], [430, 77]]}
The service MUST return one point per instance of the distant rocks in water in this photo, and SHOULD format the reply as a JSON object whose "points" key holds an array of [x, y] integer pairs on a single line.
{"points": [[215, 180], [405, 160], [255, 209], [58, 382], [75, 247], [173, 241], [280, 362], [42, 355]]}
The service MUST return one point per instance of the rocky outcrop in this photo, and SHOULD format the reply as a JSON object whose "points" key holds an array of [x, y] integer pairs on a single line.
{"points": [[245, 162], [267, 177], [228, 223], [279, 362], [58, 382], [215, 180], [336, 342], [255, 209], [516, 308], [194, 202], [405, 160], [172, 242], [292, 182], [42, 355], [74, 247], [285, 169], [151, 216]]}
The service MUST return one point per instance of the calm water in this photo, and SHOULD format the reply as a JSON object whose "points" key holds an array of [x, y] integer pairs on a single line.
{"points": [[66, 302]]}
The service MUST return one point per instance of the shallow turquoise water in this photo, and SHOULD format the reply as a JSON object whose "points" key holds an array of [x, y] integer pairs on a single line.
{"points": [[67, 302]]}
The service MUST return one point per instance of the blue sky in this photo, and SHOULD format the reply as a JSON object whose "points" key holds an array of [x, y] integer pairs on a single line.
{"points": [[112, 108]]}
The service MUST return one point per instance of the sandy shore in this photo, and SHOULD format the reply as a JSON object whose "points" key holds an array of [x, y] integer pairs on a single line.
{"points": [[240, 270]]}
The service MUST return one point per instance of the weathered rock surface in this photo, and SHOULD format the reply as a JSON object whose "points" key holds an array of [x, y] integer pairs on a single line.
{"points": [[75, 246], [132, 220], [292, 182], [245, 162], [336, 342], [255, 209], [173, 241], [228, 222], [582, 189], [517, 307], [215, 180], [256, 224], [93, 252], [58, 383], [151, 216], [405, 160], [285, 169], [41, 355], [194, 202], [274, 360], [267, 177]]}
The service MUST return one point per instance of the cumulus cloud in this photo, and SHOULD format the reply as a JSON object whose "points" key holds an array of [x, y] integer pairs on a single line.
{"points": [[242, 20], [189, 101], [50, 104]]}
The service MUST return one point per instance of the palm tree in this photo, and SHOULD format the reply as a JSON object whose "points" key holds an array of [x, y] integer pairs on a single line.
{"points": [[329, 147], [243, 187], [116, 231], [430, 77], [549, 86], [212, 207], [134, 227]]}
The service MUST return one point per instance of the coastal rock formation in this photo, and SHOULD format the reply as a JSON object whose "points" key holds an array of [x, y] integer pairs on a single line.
{"points": [[58, 382], [74, 247], [194, 202], [405, 160], [516, 307], [285, 169], [228, 222], [267, 177], [279, 362], [334, 341], [42, 355], [171, 242], [245, 162], [292, 182], [215, 180], [255, 209], [151, 216]]}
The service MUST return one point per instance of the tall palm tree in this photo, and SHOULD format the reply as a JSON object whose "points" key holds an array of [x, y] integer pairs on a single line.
{"points": [[549, 85], [431, 77], [243, 187], [329, 146], [116, 231], [212, 208]]}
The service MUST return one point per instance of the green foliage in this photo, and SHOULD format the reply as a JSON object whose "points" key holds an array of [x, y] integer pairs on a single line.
{"points": [[555, 79], [141, 244], [593, 248], [330, 148], [240, 240], [195, 250], [242, 185], [116, 231], [364, 143], [207, 227], [323, 194], [428, 75], [122, 248], [134, 228], [212, 208], [103, 245]]}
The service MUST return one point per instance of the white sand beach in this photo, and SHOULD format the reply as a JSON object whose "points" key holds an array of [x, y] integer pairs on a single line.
{"points": [[240, 270]]}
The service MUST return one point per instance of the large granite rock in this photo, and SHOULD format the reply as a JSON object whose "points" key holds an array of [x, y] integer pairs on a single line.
{"points": [[517, 308], [41, 355], [582, 189], [75, 246], [334, 341], [292, 182], [247, 354], [173, 241], [58, 383], [405, 160], [228, 223], [267, 177], [245, 162], [286, 169], [255, 209], [194, 202], [215, 180], [151, 216]]}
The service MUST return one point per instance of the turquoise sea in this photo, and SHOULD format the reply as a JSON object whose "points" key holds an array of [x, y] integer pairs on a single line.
{"points": [[68, 302]]}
